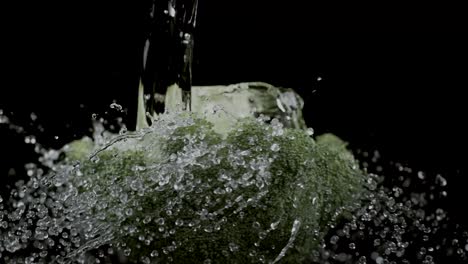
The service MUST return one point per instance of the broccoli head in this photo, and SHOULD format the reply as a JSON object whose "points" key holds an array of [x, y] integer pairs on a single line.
{"points": [[179, 191]]}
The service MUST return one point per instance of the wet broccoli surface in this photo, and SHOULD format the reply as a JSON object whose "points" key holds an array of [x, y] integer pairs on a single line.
{"points": [[181, 192]]}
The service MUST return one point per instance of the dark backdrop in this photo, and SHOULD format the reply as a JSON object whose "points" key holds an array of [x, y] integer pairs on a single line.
{"points": [[386, 77]]}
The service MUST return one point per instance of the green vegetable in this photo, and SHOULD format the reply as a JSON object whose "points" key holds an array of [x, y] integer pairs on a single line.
{"points": [[260, 193]]}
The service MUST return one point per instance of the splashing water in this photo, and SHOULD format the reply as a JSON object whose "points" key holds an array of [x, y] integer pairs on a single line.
{"points": [[400, 221], [177, 192]]}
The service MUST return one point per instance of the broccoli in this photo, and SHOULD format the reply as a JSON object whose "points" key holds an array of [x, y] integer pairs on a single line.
{"points": [[181, 192]]}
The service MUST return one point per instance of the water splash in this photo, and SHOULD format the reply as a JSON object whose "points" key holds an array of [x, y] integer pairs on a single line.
{"points": [[100, 206], [400, 221], [294, 230]]}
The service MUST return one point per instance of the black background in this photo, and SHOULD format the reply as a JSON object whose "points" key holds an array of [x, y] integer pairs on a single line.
{"points": [[393, 77]]}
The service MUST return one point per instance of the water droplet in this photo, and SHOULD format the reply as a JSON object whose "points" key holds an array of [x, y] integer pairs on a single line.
{"points": [[274, 225], [441, 180], [3, 119], [116, 106], [362, 260], [275, 147], [33, 116], [334, 240], [129, 211], [123, 130], [41, 235], [256, 225], [376, 242], [421, 175], [147, 219], [94, 159], [233, 247], [160, 221], [179, 222], [145, 260], [379, 260], [30, 140]]}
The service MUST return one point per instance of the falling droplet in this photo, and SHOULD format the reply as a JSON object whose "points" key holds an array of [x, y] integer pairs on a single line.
{"points": [[421, 175], [116, 107], [441, 180]]}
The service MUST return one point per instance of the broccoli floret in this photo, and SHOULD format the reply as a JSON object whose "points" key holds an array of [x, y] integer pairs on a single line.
{"points": [[262, 193], [79, 150]]}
